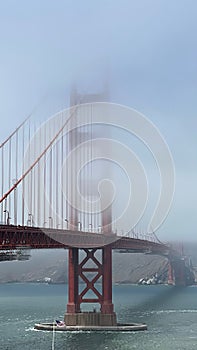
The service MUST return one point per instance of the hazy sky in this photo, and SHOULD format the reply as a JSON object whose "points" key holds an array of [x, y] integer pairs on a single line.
{"points": [[150, 50]]}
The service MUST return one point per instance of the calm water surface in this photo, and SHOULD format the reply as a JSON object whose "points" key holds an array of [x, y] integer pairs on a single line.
{"points": [[170, 313]]}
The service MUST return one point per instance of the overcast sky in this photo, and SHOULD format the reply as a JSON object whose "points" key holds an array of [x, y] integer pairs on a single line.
{"points": [[150, 50]]}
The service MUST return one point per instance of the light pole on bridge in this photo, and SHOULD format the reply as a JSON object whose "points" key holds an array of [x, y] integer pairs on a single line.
{"points": [[14, 181], [7, 221], [79, 226], [50, 222], [66, 220], [30, 221]]}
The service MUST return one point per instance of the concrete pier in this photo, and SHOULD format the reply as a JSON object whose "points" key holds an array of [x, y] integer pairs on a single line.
{"points": [[87, 319], [133, 327]]}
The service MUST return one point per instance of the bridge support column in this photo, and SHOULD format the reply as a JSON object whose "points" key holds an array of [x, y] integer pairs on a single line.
{"points": [[90, 270], [73, 283], [177, 273], [106, 305], [170, 274]]}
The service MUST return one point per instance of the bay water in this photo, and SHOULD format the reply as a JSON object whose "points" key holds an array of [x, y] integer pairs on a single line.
{"points": [[170, 313]]}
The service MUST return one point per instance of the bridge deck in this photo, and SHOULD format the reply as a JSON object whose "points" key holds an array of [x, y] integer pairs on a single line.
{"points": [[12, 237]]}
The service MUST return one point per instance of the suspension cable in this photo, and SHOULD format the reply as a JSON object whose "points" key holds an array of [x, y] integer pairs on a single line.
{"points": [[37, 160]]}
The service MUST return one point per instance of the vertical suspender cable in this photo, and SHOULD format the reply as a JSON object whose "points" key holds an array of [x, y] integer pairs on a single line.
{"points": [[15, 180], [67, 179], [50, 184], [33, 194], [89, 168], [57, 184], [70, 187], [38, 180], [23, 185], [9, 172], [62, 175], [85, 170], [75, 167], [92, 183], [80, 218], [30, 176], [44, 192], [2, 179]]}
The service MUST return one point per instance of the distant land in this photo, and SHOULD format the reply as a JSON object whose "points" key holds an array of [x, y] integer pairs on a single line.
{"points": [[127, 268], [52, 264]]}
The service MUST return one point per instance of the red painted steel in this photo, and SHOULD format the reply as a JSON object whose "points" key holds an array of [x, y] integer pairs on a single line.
{"points": [[179, 272], [170, 274], [90, 283], [37, 238], [73, 305], [101, 270], [107, 306]]}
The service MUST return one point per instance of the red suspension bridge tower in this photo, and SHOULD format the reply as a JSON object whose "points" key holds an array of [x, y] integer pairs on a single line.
{"points": [[96, 264]]}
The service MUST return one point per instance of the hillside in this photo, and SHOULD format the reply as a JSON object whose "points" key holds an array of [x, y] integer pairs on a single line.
{"points": [[127, 268]]}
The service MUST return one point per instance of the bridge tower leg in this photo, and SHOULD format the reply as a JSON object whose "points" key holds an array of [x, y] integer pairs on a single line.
{"points": [[180, 273], [73, 283], [106, 305], [170, 274], [82, 269], [177, 273]]}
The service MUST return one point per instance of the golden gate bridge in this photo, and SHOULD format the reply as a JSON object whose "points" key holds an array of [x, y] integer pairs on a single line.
{"points": [[40, 207]]}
